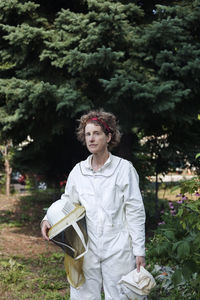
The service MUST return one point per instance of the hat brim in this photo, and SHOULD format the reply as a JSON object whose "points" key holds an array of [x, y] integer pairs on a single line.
{"points": [[75, 215]]}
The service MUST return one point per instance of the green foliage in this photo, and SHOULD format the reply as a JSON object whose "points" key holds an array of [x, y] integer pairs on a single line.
{"points": [[43, 277], [177, 244], [34, 278], [190, 186], [190, 213], [140, 61]]}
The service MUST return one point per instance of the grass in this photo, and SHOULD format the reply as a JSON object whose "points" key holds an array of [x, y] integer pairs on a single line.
{"points": [[167, 192], [39, 278]]}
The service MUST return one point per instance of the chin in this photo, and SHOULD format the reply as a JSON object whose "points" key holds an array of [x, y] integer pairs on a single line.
{"points": [[93, 151]]}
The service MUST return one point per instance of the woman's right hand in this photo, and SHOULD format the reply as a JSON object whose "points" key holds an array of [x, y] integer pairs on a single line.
{"points": [[45, 226]]}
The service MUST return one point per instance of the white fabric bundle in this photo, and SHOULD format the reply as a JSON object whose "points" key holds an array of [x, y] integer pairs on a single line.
{"points": [[137, 285]]}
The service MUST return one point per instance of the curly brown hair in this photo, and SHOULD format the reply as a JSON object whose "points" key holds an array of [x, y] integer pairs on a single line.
{"points": [[106, 120]]}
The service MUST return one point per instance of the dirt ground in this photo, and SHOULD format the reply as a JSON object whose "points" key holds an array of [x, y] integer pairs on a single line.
{"points": [[24, 241]]}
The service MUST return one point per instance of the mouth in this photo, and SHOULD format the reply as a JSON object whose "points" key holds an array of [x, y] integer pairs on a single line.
{"points": [[92, 145]]}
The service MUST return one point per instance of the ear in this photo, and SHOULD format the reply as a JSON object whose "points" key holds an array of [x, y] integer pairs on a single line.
{"points": [[109, 136]]}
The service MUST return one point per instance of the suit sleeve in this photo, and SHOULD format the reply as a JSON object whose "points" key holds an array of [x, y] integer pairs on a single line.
{"points": [[134, 211]]}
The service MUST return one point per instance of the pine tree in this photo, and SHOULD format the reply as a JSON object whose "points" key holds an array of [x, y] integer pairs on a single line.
{"points": [[138, 59], [31, 91], [162, 97]]}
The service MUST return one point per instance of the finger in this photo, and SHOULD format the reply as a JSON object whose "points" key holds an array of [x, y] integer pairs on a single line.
{"points": [[45, 230], [48, 225], [138, 267], [45, 236], [143, 263]]}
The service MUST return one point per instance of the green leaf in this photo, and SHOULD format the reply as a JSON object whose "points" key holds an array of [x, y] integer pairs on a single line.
{"points": [[177, 277], [183, 249], [197, 156], [162, 248], [180, 212], [175, 245], [169, 234]]}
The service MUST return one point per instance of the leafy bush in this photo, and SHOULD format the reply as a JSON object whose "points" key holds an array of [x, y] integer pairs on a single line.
{"points": [[176, 245]]}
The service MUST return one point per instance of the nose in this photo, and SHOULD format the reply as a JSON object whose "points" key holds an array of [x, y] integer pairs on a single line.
{"points": [[91, 139]]}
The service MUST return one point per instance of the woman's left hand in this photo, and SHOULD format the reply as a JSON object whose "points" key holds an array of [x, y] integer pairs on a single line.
{"points": [[140, 261]]}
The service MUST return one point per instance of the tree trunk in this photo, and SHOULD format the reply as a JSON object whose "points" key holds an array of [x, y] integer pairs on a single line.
{"points": [[8, 171]]}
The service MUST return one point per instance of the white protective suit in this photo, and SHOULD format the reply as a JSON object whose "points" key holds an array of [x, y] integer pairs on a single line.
{"points": [[115, 220]]}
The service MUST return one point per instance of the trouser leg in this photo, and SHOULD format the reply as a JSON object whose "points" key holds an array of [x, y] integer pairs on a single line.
{"points": [[113, 268], [111, 277], [91, 289]]}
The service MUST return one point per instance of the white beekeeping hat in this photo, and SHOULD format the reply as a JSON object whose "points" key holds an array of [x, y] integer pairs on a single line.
{"points": [[69, 232]]}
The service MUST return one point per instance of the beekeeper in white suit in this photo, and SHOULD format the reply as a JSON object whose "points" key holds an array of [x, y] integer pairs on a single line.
{"points": [[107, 186]]}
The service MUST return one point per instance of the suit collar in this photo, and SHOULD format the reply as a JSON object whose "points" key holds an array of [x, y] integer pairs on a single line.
{"points": [[107, 169]]}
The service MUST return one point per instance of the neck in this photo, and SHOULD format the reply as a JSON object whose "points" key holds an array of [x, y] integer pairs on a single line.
{"points": [[99, 159]]}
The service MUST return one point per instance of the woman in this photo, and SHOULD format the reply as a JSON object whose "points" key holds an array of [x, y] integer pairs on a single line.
{"points": [[107, 186]]}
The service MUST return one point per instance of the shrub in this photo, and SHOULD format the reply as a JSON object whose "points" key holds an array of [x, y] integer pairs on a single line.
{"points": [[176, 245]]}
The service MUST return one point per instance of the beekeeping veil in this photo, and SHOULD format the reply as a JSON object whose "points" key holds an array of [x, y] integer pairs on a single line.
{"points": [[69, 232]]}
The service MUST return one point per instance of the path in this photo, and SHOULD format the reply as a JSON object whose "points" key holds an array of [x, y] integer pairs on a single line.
{"points": [[19, 241]]}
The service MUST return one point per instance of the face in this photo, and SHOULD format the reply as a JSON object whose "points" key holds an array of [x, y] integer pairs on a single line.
{"points": [[96, 140]]}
